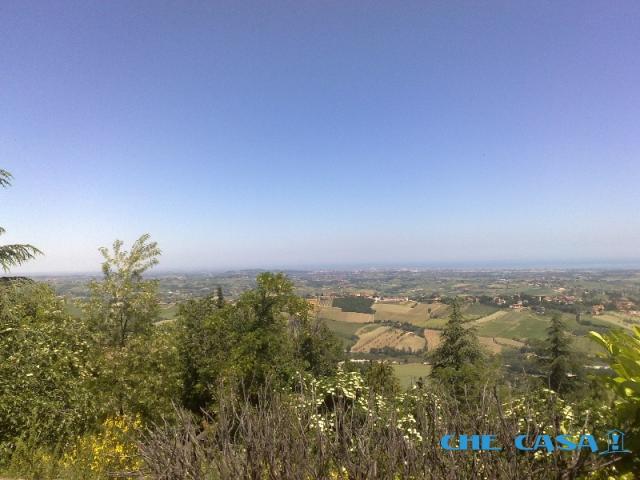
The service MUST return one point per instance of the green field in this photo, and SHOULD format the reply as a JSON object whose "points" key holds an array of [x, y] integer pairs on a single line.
{"points": [[344, 331], [408, 373], [336, 314], [474, 311], [488, 320], [516, 325], [527, 325], [616, 319], [585, 345], [419, 314], [436, 323], [168, 312]]}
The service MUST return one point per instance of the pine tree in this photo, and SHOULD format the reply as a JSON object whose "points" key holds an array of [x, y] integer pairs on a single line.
{"points": [[558, 351], [16, 254], [459, 344]]}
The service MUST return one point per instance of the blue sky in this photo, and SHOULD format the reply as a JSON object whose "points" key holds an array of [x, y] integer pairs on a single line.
{"points": [[286, 134]]}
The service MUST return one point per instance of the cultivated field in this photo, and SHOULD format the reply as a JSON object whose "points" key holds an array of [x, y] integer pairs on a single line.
{"points": [[497, 328], [335, 313], [410, 312], [433, 338], [345, 331], [380, 337], [514, 325], [489, 318]]}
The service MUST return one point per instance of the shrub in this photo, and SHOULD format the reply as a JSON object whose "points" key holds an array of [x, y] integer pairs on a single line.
{"points": [[46, 369], [338, 428], [623, 355], [111, 450]]}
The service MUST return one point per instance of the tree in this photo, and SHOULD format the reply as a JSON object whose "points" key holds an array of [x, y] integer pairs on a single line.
{"points": [[46, 368], [459, 344], [123, 303], [381, 378], [197, 346], [219, 297], [458, 361], [267, 336], [16, 254], [139, 371], [267, 323], [558, 352], [319, 349]]}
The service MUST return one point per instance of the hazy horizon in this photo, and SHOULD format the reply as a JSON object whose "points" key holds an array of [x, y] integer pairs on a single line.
{"points": [[245, 134], [579, 265]]}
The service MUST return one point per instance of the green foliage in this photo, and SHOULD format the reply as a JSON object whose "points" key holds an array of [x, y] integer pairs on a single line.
{"points": [[338, 428], [458, 360], [263, 324], [318, 348], [354, 304], [381, 379], [46, 369], [103, 453], [558, 351], [623, 355], [267, 334], [16, 254], [459, 344], [138, 374], [141, 378], [201, 353], [219, 297], [5, 178], [123, 303]]}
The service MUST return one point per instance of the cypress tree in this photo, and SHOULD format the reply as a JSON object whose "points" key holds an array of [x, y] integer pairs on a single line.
{"points": [[558, 349], [219, 297], [459, 344]]}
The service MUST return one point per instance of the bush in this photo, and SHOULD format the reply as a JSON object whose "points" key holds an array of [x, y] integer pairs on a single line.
{"points": [[111, 450], [339, 428], [623, 356], [46, 369]]}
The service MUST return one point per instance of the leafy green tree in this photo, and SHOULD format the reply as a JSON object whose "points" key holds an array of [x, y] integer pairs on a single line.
{"points": [[558, 353], [124, 303], [141, 378], [139, 372], [266, 336], [319, 349], [197, 349], [266, 322], [381, 378], [16, 254], [47, 368]]}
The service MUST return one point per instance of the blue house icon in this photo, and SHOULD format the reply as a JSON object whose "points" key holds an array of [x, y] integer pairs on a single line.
{"points": [[615, 442]]}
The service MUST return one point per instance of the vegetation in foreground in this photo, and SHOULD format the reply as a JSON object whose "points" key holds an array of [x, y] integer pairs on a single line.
{"points": [[258, 388]]}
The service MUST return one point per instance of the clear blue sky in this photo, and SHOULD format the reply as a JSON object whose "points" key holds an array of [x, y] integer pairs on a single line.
{"points": [[283, 134]]}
